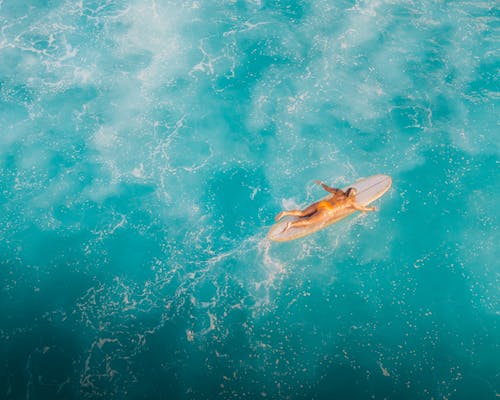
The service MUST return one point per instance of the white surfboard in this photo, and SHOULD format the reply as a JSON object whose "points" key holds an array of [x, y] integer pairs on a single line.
{"points": [[368, 190]]}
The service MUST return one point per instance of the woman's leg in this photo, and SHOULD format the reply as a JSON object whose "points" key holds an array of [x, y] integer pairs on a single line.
{"points": [[313, 219], [298, 213]]}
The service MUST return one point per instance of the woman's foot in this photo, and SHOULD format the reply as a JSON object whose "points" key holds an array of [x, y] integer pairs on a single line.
{"points": [[279, 216], [287, 226]]}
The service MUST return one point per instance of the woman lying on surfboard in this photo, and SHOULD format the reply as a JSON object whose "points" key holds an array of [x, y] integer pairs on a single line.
{"points": [[322, 209]]}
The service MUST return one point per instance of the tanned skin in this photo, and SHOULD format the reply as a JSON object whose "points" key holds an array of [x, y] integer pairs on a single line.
{"points": [[318, 211]]}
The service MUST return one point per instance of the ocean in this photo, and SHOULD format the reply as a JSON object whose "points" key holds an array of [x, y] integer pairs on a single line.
{"points": [[146, 147]]}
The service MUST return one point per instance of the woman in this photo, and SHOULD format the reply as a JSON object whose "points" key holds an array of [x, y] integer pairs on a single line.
{"points": [[323, 209]]}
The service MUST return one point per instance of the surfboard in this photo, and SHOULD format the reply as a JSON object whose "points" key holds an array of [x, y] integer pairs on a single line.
{"points": [[368, 190]]}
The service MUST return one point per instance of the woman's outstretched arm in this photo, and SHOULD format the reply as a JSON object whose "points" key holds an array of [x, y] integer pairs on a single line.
{"points": [[359, 207], [328, 188]]}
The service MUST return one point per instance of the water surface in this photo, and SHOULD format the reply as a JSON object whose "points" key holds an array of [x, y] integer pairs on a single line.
{"points": [[145, 148]]}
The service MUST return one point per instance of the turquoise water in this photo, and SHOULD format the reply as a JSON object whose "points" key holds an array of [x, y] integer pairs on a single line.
{"points": [[147, 145]]}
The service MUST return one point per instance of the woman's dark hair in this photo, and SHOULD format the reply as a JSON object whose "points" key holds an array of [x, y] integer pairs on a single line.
{"points": [[349, 191]]}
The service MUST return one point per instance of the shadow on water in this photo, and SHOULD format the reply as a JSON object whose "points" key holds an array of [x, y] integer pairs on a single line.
{"points": [[40, 347], [39, 363]]}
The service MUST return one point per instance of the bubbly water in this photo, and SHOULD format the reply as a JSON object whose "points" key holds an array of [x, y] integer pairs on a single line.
{"points": [[147, 145]]}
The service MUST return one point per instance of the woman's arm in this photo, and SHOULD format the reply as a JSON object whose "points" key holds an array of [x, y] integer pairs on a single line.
{"points": [[359, 207], [327, 188]]}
